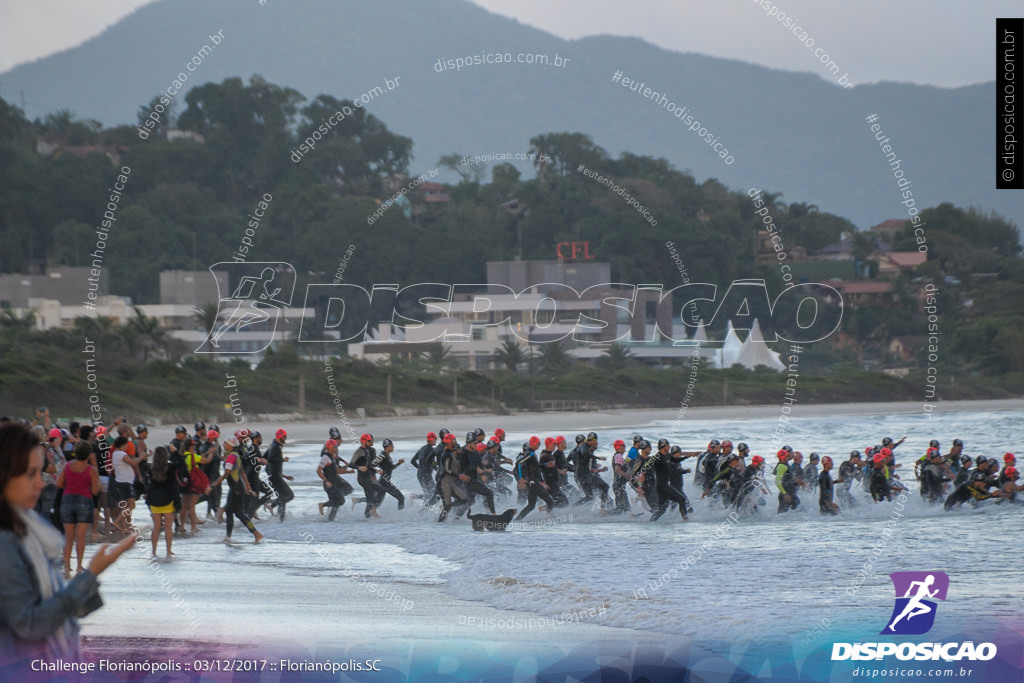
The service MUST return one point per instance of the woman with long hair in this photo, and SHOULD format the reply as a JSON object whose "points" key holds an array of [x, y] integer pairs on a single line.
{"points": [[37, 609], [161, 491]]}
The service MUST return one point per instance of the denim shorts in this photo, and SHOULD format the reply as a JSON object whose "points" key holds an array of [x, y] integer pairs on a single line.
{"points": [[121, 491], [76, 509]]}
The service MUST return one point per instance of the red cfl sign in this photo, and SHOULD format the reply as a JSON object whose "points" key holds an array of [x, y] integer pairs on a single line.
{"points": [[577, 251]]}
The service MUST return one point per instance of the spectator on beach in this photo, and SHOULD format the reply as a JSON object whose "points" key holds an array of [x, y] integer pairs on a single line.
{"points": [[79, 482], [37, 609]]}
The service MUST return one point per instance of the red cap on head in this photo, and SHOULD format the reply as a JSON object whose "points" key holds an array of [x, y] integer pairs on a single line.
{"points": [[549, 443], [449, 438], [619, 443], [365, 437], [212, 434], [880, 456], [826, 459], [481, 447], [431, 436], [101, 430], [756, 460], [499, 432], [280, 434], [534, 441], [55, 433], [1011, 472], [331, 443], [1009, 457], [242, 434], [782, 454]]}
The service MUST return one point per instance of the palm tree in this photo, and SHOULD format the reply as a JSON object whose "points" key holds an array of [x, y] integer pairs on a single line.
{"points": [[555, 356], [510, 354], [206, 315], [146, 331], [437, 356], [616, 357]]}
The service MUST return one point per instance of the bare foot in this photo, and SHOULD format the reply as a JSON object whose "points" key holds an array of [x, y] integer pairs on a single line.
{"points": [[169, 555], [320, 506], [258, 537]]}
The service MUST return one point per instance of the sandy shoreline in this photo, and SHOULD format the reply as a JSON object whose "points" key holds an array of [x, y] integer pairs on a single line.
{"points": [[415, 427]]}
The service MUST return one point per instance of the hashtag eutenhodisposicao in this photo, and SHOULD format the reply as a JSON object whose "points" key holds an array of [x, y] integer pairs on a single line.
{"points": [[680, 113]]}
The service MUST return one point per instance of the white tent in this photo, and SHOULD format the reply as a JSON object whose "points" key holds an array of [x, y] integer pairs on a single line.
{"points": [[731, 348], [755, 351]]}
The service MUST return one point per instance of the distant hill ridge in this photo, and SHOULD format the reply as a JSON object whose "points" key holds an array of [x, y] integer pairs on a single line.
{"points": [[791, 132]]}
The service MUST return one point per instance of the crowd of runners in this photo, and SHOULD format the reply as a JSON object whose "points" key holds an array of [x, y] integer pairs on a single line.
{"points": [[94, 475]]}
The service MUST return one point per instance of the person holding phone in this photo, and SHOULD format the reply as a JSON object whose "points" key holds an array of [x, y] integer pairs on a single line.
{"points": [[38, 611]]}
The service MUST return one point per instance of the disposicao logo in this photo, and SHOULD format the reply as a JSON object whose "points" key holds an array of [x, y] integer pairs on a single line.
{"points": [[914, 612], [912, 615]]}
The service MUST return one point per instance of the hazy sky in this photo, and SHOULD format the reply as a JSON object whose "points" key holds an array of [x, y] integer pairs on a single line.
{"points": [[937, 42]]}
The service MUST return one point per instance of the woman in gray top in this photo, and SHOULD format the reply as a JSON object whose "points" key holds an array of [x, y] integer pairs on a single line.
{"points": [[37, 609]]}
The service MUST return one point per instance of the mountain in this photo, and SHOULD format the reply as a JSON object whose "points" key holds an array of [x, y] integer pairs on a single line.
{"points": [[788, 132]]}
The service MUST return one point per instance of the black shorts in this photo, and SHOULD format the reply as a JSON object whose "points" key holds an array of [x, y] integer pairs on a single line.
{"points": [[122, 491]]}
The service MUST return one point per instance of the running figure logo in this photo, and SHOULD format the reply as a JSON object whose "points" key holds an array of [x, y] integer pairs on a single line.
{"points": [[259, 292], [914, 612]]}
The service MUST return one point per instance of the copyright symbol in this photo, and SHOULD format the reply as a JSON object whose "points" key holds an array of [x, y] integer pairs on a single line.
{"points": [[1007, 174]]}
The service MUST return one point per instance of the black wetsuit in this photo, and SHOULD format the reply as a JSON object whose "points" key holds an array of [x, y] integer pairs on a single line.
{"points": [[932, 480], [965, 493], [450, 485], [662, 467], [235, 506], [253, 467], [643, 479], [278, 484], [469, 464], [496, 477], [825, 494], [529, 470], [385, 465], [619, 482], [212, 470], [573, 458], [562, 463], [879, 485], [336, 491], [810, 475], [365, 456], [707, 468], [425, 462], [787, 485], [750, 480], [549, 469], [848, 472], [586, 463]]}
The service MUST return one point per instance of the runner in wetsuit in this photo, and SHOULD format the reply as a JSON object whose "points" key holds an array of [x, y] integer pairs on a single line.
{"points": [[529, 471], [472, 476], [438, 452], [707, 467], [491, 464], [752, 479], [730, 479], [330, 470], [451, 487], [586, 460], [385, 465], [425, 462], [849, 471], [549, 471], [503, 479], [786, 482], [932, 477], [1009, 460], [811, 472], [621, 479], [281, 492], [826, 505], [642, 477], [238, 488], [662, 468], [212, 469], [975, 491], [564, 467], [879, 484], [1010, 485], [578, 473], [363, 461]]}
